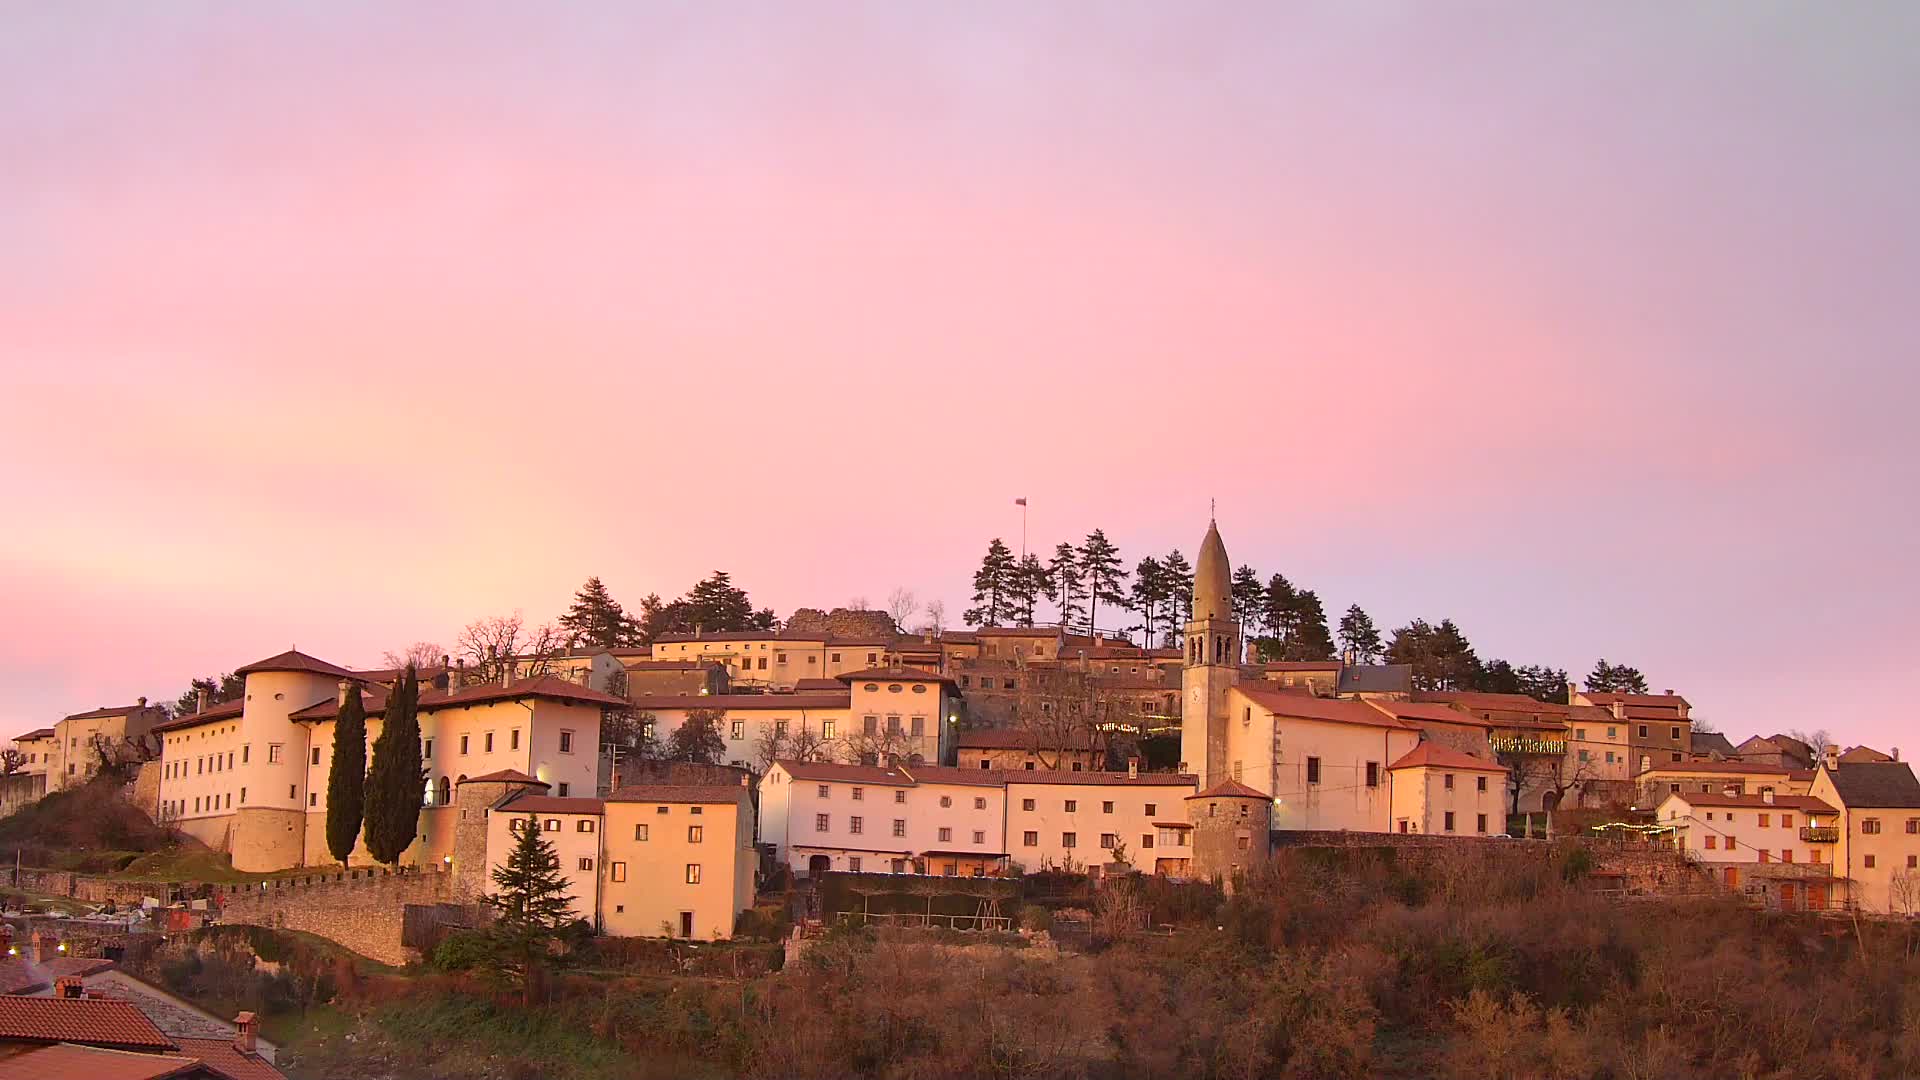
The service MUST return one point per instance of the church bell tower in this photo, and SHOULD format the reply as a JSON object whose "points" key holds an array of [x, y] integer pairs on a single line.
{"points": [[1212, 664]]}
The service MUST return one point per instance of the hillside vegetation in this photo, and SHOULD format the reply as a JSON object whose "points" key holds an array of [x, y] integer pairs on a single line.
{"points": [[89, 827]]}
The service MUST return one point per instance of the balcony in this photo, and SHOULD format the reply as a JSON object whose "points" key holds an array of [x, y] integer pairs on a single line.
{"points": [[1820, 834]]}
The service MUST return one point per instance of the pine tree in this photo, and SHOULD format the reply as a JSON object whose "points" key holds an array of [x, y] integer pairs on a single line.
{"points": [[992, 587], [347, 779], [1543, 683], [698, 738], [1100, 560], [1150, 595], [1440, 656], [1180, 585], [531, 903], [1064, 576], [1249, 599], [1359, 636], [1308, 638], [1615, 679], [1029, 586], [395, 783], [597, 619], [1276, 616]]}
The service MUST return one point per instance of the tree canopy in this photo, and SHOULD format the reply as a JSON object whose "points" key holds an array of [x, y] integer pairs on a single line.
{"points": [[1615, 678], [698, 738], [596, 619], [396, 782], [993, 587], [347, 777], [714, 605]]}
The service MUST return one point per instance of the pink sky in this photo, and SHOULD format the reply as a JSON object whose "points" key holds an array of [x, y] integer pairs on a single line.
{"points": [[1593, 331]]}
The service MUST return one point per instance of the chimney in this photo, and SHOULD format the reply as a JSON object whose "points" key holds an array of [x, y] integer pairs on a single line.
{"points": [[340, 695], [201, 701], [68, 986], [1573, 690], [243, 1033], [1669, 691], [39, 948], [1831, 754], [459, 678], [141, 702], [1767, 795], [1894, 753], [506, 674], [1133, 768], [746, 780], [1619, 709]]}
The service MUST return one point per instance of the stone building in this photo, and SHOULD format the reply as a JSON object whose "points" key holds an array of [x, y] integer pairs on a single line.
{"points": [[1230, 835]]}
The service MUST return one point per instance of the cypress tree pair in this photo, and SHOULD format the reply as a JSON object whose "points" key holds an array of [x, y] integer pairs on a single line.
{"points": [[347, 782], [396, 783]]}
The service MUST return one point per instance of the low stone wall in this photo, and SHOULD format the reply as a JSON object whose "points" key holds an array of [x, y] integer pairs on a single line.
{"points": [[361, 910], [1286, 838], [1646, 870]]}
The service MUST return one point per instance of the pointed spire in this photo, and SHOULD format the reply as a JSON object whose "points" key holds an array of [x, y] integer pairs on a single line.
{"points": [[1212, 578]]}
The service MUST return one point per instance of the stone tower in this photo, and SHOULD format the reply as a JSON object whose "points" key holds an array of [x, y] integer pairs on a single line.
{"points": [[1231, 826], [1212, 664]]}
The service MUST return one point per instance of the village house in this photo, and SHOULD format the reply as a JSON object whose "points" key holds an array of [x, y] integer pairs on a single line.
{"points": [[1770, 844], [1876, 843], [1060, 820], [1442, 791], [1658, 729], [1709, 777], [901, 818], [1015, 750], [752, 724], [1323, 761], [73, 754], [1776, 749], [768, 660]]}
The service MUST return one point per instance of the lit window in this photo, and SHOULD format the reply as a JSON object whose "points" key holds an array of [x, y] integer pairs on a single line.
{"points": [[618, 872], [693, 873], [696, 833]]}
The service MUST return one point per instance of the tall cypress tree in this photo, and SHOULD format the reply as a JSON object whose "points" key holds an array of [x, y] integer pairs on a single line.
{"points": [[347, 780], [395, 783]]}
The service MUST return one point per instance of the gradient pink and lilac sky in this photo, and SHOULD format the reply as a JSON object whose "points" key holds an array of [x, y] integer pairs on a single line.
{"points": [[1592, 328]]}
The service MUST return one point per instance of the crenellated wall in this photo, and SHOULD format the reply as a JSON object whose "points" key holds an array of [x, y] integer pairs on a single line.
{"points": [[362, 910]]}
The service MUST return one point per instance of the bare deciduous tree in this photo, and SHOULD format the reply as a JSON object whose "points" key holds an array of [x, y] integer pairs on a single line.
{"points": [[421, 654], [936, 617], [901, 604], [883, 745], [802, 744], [497, 644], [1063, 710], [11, 761]]}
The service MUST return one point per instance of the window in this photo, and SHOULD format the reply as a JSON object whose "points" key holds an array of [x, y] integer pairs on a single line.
{"points": [[273, 753], [859, 794], [640, 831], [1712, 842], [563, 789], [1373, 774], [1026, 804], [1106, 807], [1480, 822], [820, 823], [243, 796], [1030, 839], [1073, 805], [946, 800], [1766, 820], [946, 835], [826, 729], [313, 798], [893, 725], [553, 824], [426, 749], [1786, 854], [1580, 734], [824, 791], [617, 871], [693, 878], [1913, 826], [1786, 821], [316, 757], [1480, 783], [513, 739], [290, 792], [1108, 840], [586, 862], [853, 861], [463, 743], [1870, 826], [566, 742], [979, 836], [900, 798], [1448, 782], [737, 730], [980, 803], [583, 825], [1913, 862], [1313, 770], [1676, 734], [487, 743], [1868, 861], [899, 826], [1676, 755], [919, 725], [696, 833], [856, 825], [1152, 809], [1643, 731], [1449, 821], [1068, 839], [780, 729]]}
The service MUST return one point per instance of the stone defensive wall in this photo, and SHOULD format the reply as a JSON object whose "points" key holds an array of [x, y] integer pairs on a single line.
{"points": [[360, 909]]}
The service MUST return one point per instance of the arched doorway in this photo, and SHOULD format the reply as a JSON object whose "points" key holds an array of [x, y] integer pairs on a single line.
{"points": [[818, 865]]}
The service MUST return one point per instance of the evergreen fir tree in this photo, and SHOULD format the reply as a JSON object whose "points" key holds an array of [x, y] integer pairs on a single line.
{"points": [[1100, 561], [1180, 586], [1150, 596], [531, 903], [597, 619], [395, 783], [993, 586], [1308, 638], [347, 779], [1249, 600], [1359, 636], [1440, 656], [1276, 616], [1064, 576], [1029, 586], [698, 738], [1615, 679]]}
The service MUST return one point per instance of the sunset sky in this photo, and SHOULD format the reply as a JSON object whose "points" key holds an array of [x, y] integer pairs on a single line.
{"points": [[1594, 330]]}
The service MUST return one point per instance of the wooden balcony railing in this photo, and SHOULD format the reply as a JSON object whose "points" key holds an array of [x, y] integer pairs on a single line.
{"points": [[1820, 834]]}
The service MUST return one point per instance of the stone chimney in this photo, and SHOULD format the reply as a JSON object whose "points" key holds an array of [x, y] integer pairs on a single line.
{"points": [[40, 948], [340, 694], [1573, 690], [1619, 710], [459, 677], [446, 671], [1133, 768], [243, 1033], [200, 701], [1830, 754], [506, 673], [69, 986]]}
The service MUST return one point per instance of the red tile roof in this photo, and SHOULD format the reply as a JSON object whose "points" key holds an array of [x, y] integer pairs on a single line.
{"points": [[1010, 739], [1430, 712], [902, 674], [679, 793], [1432, 755], [105, 711], [673, 665], [1804, 803], [222, 1055], [1474, 699], [1737, 768], [504, 776], [93, 1021], [551, 804], [1098, 779], [1229, 789], [69, 1062], [1308, 707], [19, 975], [857, 774], [1014, 631], [774, 702], [37, 733], [830, 686], [1301, 665], [551, 687], [226, 710], [294, 660], [1667, 700]]}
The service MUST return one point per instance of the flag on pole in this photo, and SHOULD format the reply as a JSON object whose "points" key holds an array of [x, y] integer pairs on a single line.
{"points": [[1021, 501]]}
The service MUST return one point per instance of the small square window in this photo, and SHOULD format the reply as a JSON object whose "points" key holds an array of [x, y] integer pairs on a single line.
{"points": [[640, 831]]}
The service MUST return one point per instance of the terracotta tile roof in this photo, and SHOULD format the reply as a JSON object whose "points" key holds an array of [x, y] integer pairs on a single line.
{"points": [[1301, 665], [673, 665], [36, 733], [293, 660], [1805, 803], [69, 1062], [679, 793], [19, 975], [947, 774], [1431, 712], [1665, 716], [903, 674], [105, 711], [1229, 789], [222, 1055], [1863, 753], [62, 966], [730, 635], [1014, 631], [774, 702], [1667, 700], [1099, 779], [93, 1021], [226, 710], [1010, 739], [1307, 707], [504, 776], [550, 804], [959, 637], [373, 699], [551, 687], [1737, 768], [1432, 755], [806, 686], [1474, 699], [914, 645], [833, 770]]}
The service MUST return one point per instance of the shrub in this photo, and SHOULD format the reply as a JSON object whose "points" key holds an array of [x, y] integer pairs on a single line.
{"points": [[463, 950]]}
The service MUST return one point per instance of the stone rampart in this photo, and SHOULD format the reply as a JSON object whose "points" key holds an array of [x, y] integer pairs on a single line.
{"points": [[360, 909]]}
